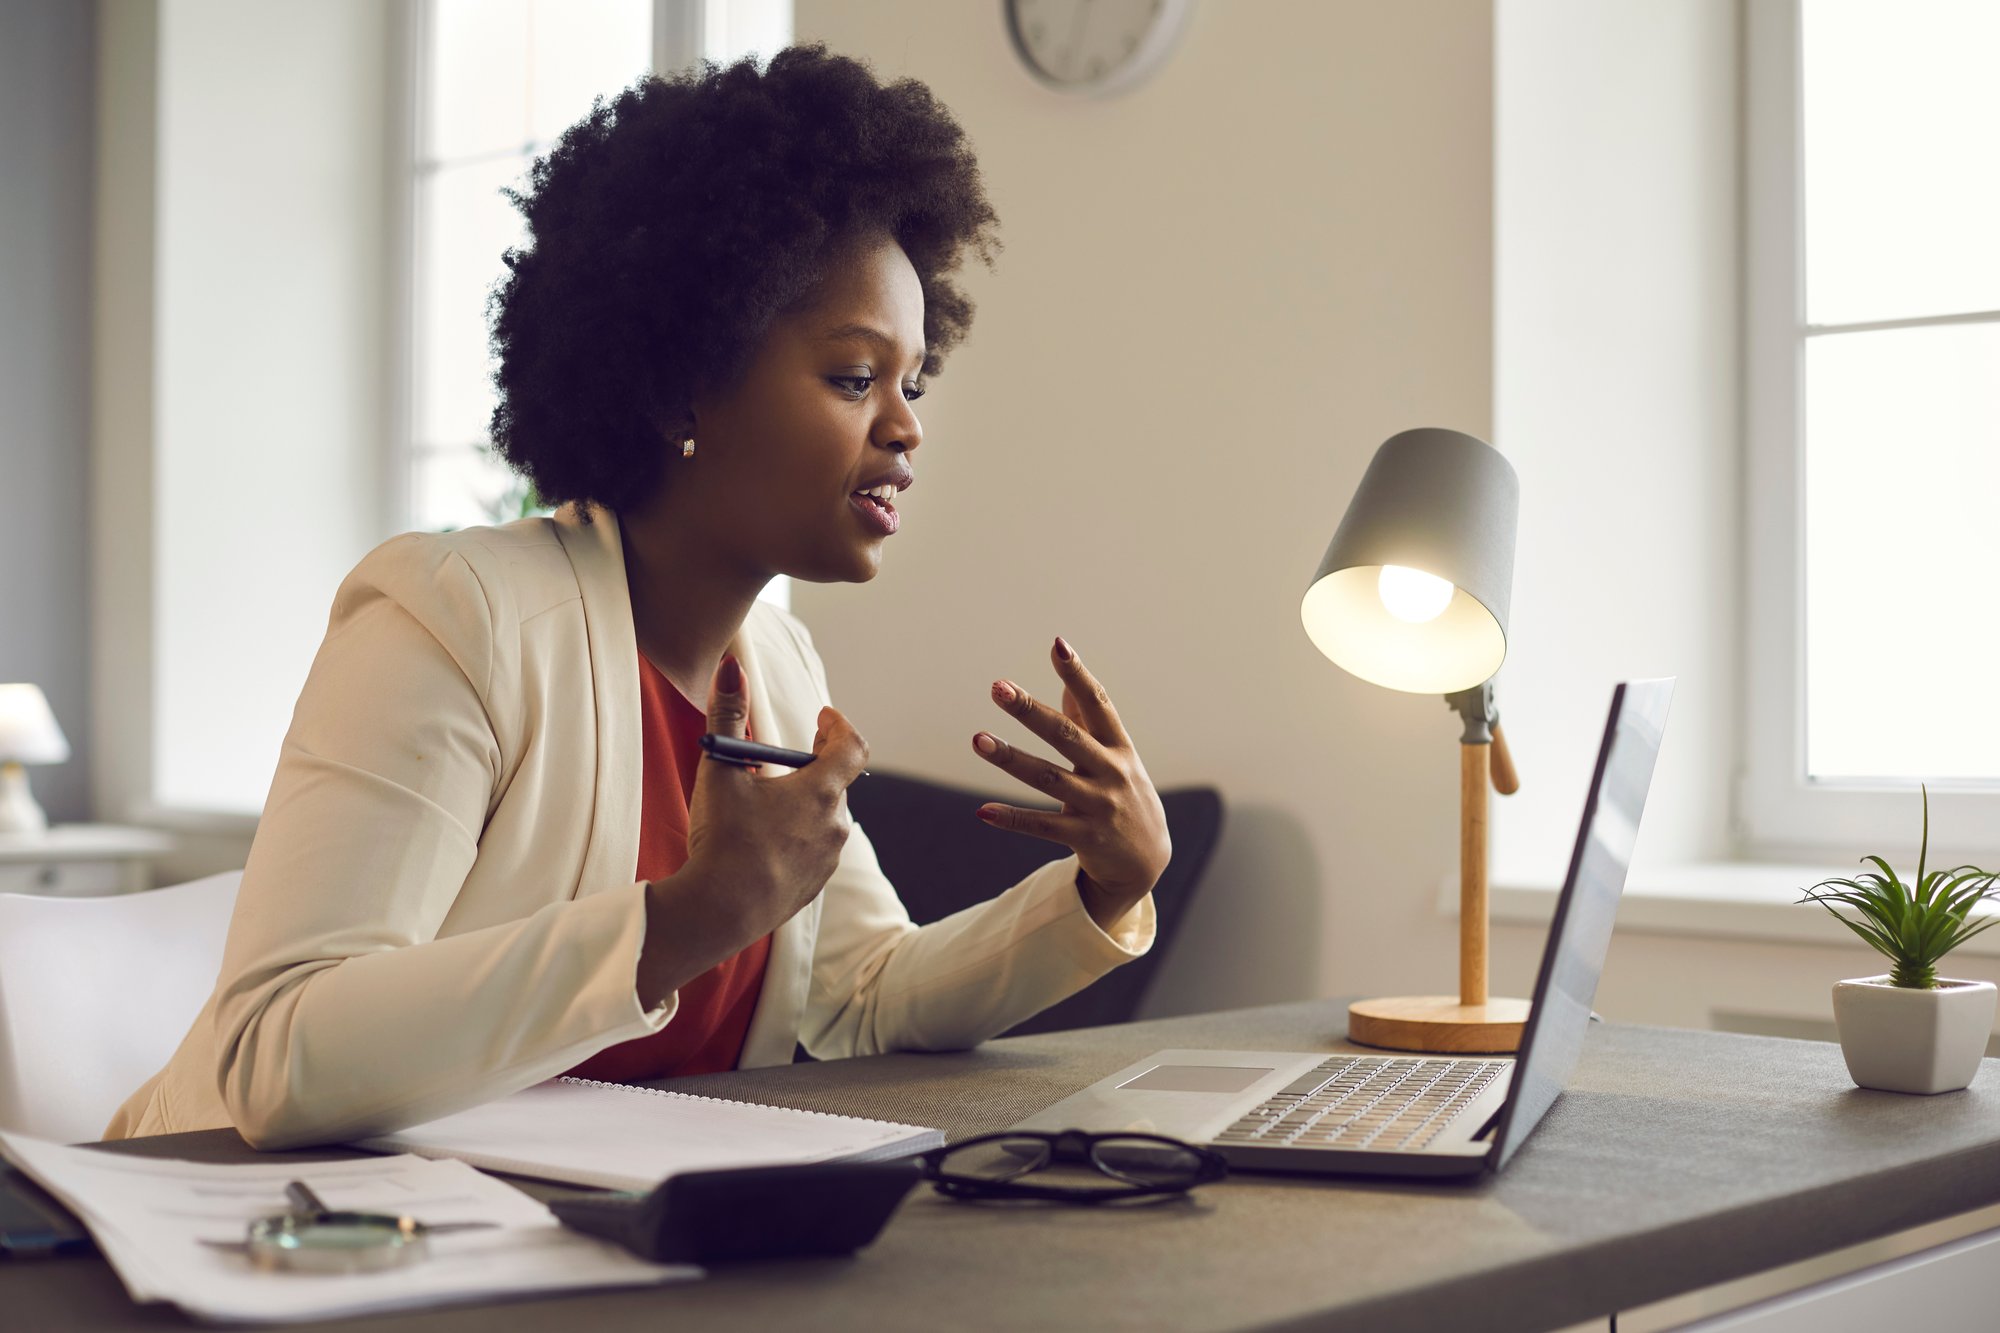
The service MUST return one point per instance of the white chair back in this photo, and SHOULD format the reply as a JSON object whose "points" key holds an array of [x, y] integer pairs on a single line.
{"points": [[96, 994]]}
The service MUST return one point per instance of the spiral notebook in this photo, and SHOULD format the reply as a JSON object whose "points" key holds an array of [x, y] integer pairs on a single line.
{"points": [[621, 1137]]}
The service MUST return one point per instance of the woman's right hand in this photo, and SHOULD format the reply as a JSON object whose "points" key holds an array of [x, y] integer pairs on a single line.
{"points": [[769, 838], [761, 845]]}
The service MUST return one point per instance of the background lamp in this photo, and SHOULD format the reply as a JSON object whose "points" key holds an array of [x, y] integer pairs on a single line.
{"points": [[28, 735], [1413, 595]]}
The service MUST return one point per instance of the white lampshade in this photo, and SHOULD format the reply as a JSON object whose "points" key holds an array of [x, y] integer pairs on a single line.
{"points": [[1414, 588], [28, 730]]}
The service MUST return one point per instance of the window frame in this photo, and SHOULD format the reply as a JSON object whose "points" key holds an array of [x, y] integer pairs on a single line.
{"points": [[1780, 810]]}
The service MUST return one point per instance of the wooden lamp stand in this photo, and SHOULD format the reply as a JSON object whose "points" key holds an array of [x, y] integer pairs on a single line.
{"points": [[1471, 1022]]}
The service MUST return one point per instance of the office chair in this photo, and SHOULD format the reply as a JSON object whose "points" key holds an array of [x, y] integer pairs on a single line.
{"points": [[941, 858], [96, 994]]}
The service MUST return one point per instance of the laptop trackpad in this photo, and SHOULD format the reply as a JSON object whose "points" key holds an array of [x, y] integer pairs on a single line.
{"points": [[1196, 1078]]}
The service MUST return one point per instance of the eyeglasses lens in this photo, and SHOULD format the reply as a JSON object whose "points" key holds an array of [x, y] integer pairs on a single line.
{"points": [[995, 1160], [1111, 1164], [1147, 1161]]}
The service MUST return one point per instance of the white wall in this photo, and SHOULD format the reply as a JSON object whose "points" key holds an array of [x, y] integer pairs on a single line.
{"points": [[1616, 346], [1219, 294], [274, 255], [1616, 396]]}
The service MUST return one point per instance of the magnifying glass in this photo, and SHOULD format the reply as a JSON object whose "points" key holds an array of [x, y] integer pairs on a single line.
{"points": [[316, 1239]]}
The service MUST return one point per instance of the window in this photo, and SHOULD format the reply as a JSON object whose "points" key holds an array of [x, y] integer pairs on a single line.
{"points": [[1873, 421], [498, 82]]}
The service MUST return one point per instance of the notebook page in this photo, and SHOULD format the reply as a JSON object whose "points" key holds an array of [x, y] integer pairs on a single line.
{"points": [[621, 1137]]}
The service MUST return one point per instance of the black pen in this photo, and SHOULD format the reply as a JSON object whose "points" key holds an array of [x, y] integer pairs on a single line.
{"points": [[750, 753]]}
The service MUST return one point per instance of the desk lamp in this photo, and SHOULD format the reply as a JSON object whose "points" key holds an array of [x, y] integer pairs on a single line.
{"points": [[1413, 595], [28, 735]]}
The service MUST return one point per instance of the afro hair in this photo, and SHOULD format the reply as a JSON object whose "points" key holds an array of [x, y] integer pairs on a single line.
{"points": [[671, 226]]}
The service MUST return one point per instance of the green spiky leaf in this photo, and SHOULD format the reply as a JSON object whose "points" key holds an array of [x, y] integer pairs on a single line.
{"points": [[1912, 924]]}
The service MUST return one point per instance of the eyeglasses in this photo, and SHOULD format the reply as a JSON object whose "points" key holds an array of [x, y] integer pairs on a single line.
{"points": [[1083, 1168]]}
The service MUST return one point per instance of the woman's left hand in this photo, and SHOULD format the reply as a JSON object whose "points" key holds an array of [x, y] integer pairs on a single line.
{"points": [[1111, 816]]}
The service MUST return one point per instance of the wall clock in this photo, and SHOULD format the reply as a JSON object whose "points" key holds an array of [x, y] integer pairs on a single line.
{"points": [[1095, 47]]}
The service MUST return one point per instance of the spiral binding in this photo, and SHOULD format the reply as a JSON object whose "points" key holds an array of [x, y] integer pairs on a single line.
{"points": [[728, 1101]]}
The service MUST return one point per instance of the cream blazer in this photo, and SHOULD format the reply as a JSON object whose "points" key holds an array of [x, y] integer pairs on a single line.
{"points": [[440, 905]]}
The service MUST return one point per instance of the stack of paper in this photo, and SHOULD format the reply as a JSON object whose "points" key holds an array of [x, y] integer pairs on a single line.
{"points": [[151, 1215]]}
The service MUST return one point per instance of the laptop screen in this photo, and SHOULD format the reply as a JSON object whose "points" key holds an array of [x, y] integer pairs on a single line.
{"points": [[1581, 930]]}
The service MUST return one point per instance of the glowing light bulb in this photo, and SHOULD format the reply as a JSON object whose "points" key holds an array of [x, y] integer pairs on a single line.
{"points": [[1413, 596]]}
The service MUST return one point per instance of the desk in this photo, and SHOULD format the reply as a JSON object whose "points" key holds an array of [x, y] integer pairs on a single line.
{"points": [[80, 860], [1677, 1160]]}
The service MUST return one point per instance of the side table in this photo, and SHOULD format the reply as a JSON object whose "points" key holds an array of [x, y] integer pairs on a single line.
{"points": [[80, 860]]}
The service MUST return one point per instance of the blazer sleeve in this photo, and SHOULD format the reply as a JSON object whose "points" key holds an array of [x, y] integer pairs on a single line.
{"points": [[339, 1012], [882, 983]]}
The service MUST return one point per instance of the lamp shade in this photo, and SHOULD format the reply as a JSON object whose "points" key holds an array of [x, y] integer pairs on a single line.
{"points": [[1414, 588], [28, 730]]}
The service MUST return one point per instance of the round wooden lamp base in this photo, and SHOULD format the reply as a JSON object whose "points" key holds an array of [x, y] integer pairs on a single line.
{"points": [[1438, 1023]]}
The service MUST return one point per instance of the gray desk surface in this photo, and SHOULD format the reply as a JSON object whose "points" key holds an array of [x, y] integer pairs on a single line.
{"points": [[1676, 1160]]}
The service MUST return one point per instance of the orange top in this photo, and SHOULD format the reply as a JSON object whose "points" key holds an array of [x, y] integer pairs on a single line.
{"points": [[705, 1035]]}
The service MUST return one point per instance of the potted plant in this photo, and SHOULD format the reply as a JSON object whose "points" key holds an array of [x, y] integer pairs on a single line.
{"points": [[1911, 1030]]}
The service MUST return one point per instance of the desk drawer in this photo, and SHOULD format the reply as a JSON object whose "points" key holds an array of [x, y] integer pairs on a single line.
{"points": [[67, 879]]}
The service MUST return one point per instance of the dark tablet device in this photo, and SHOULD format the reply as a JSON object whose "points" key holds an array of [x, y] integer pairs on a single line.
{"points": [[33, 1224], [756, 1212]]}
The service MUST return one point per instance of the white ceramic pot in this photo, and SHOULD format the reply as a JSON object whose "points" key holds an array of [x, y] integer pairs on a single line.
{"points": [[1902, 1040]]}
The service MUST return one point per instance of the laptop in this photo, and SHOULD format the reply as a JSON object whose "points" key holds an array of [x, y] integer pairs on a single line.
{"points": [[1411, 1115]]}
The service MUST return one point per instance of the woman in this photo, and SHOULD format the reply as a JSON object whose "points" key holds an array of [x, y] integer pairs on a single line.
{"points": [[492, 852]]}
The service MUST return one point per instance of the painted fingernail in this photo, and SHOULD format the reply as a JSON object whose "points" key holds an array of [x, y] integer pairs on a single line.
{"points": [[989, 814], [730, 679], [1003, 693], [1063, 650], [985, 744]]}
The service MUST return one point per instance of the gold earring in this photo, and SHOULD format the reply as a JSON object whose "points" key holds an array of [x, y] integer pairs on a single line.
{"points": [[687, 447]]}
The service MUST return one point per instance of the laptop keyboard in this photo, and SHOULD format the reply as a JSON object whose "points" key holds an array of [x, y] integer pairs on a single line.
{"points": [[1367, 1101]]}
